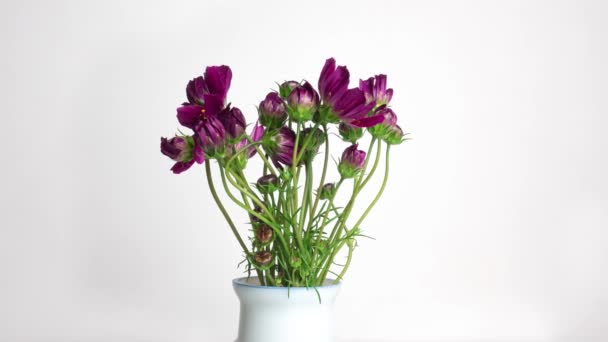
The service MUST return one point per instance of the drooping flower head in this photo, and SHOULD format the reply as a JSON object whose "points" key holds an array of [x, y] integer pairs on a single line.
{"points": [[351, 162], [374, 89], [341, 104], [280, 145], [302, 103], [183, 151], [272, 111]]}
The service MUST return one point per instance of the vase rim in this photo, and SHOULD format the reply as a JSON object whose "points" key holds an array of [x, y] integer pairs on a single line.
{"points": [[242, 281]]}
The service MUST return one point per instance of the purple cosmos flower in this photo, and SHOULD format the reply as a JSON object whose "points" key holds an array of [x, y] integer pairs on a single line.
{"points": [[211, 136], [302, 103], [183, 151], [286, 88], [216, 82], [351, 109], [375, 90], [351, 162], [272, 111], [234, 123], [341, 103], [191, 115], [280, 145]]}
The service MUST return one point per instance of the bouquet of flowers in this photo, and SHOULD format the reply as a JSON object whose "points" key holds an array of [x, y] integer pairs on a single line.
{"points": [[296, 227]]}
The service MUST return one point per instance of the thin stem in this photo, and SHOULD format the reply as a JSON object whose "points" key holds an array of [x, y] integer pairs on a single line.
{"points": [[223, 210], [351, 247], [382, 187], [322, 182]]}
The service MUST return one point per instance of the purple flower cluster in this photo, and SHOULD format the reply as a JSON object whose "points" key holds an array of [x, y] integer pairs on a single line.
{"points": [[219, 129]]}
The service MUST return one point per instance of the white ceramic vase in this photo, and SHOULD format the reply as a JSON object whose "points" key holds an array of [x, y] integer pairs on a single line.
{"points": [[276, 314]]}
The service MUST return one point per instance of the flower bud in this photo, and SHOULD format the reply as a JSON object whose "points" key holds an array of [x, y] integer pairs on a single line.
{"points": [[328, 191], [286, 88], [351, 162], [263, 258], [350, 133], [267, 184], [211, 136], [311, 141], [177, 148], [254, 219], [389, 120], [295, 261], [183, 150], [280, 145], [302, 103], [234, 123], [272, 111], [264, 234], [394, 135]]}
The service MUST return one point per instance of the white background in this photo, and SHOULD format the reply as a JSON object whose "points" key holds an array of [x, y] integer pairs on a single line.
{"points": [[494, 227]]}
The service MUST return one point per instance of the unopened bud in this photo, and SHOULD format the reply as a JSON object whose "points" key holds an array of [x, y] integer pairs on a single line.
{"points": [[267, 184], [328, 191], [264, 233], [263, 258]]}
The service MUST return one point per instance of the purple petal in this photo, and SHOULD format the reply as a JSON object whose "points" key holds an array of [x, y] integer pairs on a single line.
{"points": [[368, 121], [218, 80], [189, 115], [198, 154], [213, 105], [389, 95], [333, 81], [180, 167]]}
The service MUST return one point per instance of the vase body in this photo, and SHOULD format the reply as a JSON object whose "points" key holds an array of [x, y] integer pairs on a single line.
{"points": [[276, 314]]}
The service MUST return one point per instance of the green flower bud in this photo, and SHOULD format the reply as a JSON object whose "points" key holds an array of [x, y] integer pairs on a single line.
{"points": [[328, 191], [267, 184], [394, 136], [286, 88], [315, 139], [295, 261], [350, 133]]}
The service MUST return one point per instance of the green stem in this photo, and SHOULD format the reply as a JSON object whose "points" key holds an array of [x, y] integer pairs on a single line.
{"points": [[223, 210], [351, 247], [382, 187], [322, 182]]}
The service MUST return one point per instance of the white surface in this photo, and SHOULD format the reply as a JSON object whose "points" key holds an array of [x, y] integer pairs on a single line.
{"points": [[494, 226]]}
